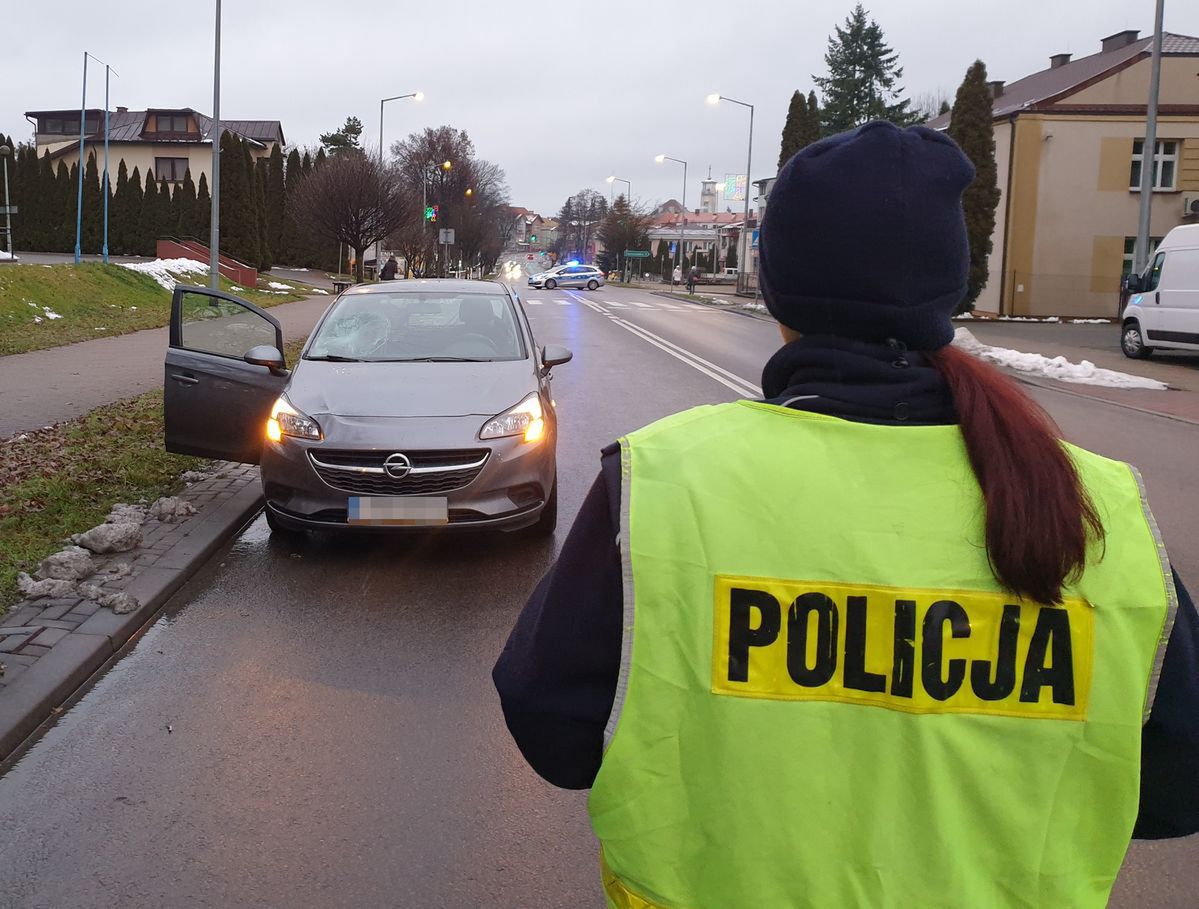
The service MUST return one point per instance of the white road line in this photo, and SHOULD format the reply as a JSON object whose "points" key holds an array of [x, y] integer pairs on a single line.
{"points": [[642, 305], [596, 307], [563, 302], [741, 386], [534, 302], [611, 303], [670, 306]]}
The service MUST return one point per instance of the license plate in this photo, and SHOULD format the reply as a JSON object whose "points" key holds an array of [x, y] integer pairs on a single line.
{"points": [[399, 510]]}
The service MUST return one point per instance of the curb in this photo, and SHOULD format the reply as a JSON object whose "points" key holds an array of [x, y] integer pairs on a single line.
{"points": [[34, 696]]}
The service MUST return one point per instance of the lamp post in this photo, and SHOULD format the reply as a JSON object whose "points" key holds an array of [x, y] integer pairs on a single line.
{"points": [[104, 190], [749, 160], [1149, 148], [415, 96], [444, 167], [628, 188], [214, 230], [5, 151], [683, 228]]}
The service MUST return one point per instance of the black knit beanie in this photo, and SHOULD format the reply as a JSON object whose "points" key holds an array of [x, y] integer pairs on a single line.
{"points": [[864, 237]]}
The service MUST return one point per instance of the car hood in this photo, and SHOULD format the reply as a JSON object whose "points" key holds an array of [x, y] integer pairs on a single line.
{"points": [[410, 389]]}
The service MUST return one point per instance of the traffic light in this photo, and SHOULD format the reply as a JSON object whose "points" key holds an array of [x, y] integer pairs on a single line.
{"points": [[431, 213], [532, 238]]}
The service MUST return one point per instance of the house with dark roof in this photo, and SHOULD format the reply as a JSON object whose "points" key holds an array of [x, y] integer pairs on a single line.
{"points": [[167, 141], [1069, 144]]}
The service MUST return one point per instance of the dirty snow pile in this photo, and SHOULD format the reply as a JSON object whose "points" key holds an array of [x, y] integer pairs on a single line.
{"points": [[8, 255], [323, 293], [276, 285], [1084, 373], [164, 271]]}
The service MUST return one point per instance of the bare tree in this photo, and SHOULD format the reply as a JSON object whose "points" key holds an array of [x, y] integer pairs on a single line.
{"points": [[356, 200]]}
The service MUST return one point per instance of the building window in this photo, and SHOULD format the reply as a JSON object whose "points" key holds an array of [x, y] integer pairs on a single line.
{"points": [[171, 123], [1130, 245], [170, 169], [1165, 164]]}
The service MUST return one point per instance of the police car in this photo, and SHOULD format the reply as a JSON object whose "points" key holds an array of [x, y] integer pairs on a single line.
{"points": [[570, 275]]}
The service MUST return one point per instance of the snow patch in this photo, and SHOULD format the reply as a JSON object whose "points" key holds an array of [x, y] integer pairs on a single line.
{"points": [[7, 255], [1026, 319], [317, 290], [1084, 373], [50, 314], [164, 271], [278, 286], [1090, 321]]}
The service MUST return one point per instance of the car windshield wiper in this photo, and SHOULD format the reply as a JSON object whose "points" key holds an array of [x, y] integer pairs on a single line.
{"points": [[336, 358], [439, 360]]}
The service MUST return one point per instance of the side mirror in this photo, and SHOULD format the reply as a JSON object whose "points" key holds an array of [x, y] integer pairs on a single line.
{"points": [[265, 355], [553, 355], [1133, 284]]}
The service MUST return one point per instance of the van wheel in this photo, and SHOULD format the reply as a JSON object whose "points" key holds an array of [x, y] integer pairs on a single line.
{"points": [[551, 284], [592, 285], [1132, 342]]}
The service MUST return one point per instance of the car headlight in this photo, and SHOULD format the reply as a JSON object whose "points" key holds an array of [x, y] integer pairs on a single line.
{"points": [[525, 419], [285, 420]]}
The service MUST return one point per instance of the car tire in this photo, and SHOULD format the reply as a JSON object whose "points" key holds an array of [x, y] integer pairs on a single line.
{"points": [[278, 528], [547, 521], [592, 284], [551, 284], [1132, 342]]}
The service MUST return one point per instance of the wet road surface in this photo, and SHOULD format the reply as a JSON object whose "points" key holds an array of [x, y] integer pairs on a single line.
{"points": [[312, 723]]}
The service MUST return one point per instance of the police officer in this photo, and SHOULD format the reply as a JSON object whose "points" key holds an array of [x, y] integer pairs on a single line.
{"points": [[882, 639]]}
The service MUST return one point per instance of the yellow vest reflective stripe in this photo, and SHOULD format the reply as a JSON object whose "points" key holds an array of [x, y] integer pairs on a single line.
{"points": [[825, 698]]}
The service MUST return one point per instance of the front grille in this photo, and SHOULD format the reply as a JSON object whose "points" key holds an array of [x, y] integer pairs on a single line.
{"points": [[433, 472]]}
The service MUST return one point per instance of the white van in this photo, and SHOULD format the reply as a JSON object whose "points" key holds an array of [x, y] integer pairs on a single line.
{"points": [[1163, 303]]}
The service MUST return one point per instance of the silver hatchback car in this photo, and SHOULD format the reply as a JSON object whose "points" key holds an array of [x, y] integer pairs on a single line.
{"points": [[582, 276], [415, 404]]}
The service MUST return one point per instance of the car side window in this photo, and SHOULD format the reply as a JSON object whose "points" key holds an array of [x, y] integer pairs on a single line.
{"points": [[1154, 277], [218, 326]]}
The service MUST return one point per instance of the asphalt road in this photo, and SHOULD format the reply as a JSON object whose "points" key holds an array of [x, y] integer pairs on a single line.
{"points": [[313, 724]]}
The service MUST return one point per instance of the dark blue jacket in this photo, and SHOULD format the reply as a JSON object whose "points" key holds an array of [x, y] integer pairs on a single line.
{"points": [[557, 675]]}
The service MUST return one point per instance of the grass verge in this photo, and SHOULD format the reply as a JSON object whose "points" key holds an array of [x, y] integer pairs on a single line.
{"points": [[64, 479], [47, 306]]}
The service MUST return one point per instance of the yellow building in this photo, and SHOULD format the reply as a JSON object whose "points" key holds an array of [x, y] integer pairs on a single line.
{"points": [[167, 141], [1068, 144]]}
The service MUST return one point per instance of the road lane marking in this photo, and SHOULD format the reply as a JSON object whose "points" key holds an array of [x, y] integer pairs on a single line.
{"points": [[596, 307], [563, 302], [610, 303], [642, 305], [741, 386], [534, 302]]}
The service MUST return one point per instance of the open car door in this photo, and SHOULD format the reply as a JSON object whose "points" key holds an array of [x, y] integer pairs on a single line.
{"points": [[215, 403]]}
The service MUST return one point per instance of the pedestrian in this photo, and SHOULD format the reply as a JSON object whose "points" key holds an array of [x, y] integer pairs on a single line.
{"points": [[389, 269], [881, 639], [692, 278], [677, 276]]}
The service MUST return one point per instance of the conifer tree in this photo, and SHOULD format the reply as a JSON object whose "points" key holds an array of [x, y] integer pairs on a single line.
{"points": [[276, 203], [793, 127], [116, 215], [203, 211], [970, 126], [185, 207], [863, 77], [70, 196], [813, 130], [147, 218], [289, 250], [261, 178], [239, 232], [163, 213], [133, 214], [93, 213]]}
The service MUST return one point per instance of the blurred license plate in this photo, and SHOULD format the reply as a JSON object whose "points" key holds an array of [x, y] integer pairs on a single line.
{"points": [[399, 510]]}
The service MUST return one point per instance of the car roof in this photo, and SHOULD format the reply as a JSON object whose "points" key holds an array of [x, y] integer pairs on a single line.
{"points": [[416, 285]]}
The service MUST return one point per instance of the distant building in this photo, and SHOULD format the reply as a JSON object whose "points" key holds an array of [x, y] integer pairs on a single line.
{"points": [[167, 141], [712, 233], [1069, 146]]}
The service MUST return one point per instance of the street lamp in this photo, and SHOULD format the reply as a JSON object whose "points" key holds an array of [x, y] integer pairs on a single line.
{"points": [[5, 151], [444, 167], [683, 228], [415, 96], [628, 187], [716, 99]]}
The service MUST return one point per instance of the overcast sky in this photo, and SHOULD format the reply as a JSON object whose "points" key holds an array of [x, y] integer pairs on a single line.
{"points": [[559, 95]]}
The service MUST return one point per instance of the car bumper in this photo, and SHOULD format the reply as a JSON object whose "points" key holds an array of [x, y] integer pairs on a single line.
{"points": [[508, 492]]}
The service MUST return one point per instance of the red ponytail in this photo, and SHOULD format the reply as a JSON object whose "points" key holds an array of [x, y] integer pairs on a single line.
{"points": [[1039, 517]]}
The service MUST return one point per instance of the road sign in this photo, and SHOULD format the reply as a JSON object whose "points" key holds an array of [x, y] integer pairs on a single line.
{"points": [[636, 253], [8, 209], [673, 247], [446, 235]]}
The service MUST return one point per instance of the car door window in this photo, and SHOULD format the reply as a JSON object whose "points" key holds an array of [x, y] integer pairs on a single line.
{"points": [[217, 326], [1154, 275]]}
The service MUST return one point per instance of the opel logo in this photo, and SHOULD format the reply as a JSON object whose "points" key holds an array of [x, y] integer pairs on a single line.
{"points": [[397, 466]]}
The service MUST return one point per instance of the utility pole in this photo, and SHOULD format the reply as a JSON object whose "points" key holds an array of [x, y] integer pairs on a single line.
{"points": [[1149, 148], [214, 237], [104, 245], [5, 151], [82, 129]]}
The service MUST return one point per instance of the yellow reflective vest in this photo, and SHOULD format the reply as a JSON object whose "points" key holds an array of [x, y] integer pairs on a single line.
{"points": [[826, 701]]}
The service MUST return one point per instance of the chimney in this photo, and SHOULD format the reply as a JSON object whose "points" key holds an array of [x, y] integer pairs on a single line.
{"points": [[997, 87], [1058, 60], [1119, 40]]}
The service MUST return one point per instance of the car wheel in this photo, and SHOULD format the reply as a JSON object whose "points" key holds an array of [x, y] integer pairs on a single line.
{"points": [[1132, 342], [278, 528], [547, 521], [551, 284], [592, 285]]}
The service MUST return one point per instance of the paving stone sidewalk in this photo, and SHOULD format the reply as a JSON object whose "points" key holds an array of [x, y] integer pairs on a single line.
{"points": [[50, 646]]}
